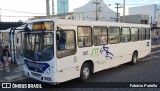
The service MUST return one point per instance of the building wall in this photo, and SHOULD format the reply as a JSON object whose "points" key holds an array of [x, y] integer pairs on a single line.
{"points": [[140, 19], [150, 10], [158, 21], [62, 6]]}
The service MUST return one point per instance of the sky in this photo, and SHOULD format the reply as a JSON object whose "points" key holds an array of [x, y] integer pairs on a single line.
{"points": [[17, 10]]}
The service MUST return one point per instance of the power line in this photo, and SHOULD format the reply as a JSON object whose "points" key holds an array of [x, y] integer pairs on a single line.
{"points": [[136, 4], [21, 11], [14, 16]]}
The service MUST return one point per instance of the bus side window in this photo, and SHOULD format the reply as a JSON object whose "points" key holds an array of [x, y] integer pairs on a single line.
{"points": [[147, 33], [125, 35], [142, 34], [61, 40], [84, 36], [114, 35], [134, 34], [100, 35], [66, 44]]}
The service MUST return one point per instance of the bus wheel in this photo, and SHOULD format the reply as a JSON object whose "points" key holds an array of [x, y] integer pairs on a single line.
{"points": [[85, 72], [134, 58]]}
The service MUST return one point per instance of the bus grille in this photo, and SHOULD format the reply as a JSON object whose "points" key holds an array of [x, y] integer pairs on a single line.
{"points": [[36, 74]]}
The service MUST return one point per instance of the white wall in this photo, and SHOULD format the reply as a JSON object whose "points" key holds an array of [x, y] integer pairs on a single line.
{"points": [[146, 10]]}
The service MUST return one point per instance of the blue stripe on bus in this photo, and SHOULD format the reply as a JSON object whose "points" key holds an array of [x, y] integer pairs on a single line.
{"points": [[37, 67]]}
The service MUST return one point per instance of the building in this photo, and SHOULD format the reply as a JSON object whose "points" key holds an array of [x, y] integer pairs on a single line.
{"points": [[62, 6], [152, 10], [95, 11], [59, 16], [139, 19], [87, 12]]}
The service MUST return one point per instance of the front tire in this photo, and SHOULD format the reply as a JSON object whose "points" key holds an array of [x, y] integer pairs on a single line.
{"points": [[134, 58], [85, 72]]}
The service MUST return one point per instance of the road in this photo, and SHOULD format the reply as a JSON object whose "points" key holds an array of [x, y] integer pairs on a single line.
{"points": [[146, 70]]}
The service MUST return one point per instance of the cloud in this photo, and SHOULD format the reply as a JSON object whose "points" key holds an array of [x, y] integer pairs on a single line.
{"points": [[143, 2], [156, 2]]}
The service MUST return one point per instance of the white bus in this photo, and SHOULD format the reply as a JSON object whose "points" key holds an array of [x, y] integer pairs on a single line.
{"points": [[59, 50]]}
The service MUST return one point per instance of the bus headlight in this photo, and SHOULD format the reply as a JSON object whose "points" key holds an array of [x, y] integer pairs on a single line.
{"points": [[47, 71]]}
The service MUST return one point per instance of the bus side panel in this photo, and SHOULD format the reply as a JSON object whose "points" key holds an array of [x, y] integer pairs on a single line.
{"points": [[126, 52], [144, 48], [116, 50], [67, 68], [110, 56]]}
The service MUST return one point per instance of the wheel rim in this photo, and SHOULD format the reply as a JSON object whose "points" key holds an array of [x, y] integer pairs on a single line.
{"points": [[86, 72]]}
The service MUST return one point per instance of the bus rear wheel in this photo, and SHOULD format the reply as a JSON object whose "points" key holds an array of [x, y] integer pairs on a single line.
{"points": [[134, 58], [85, 72]]}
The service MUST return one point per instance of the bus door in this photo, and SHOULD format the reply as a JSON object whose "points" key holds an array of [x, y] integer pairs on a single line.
{"points": [[66, 58]]}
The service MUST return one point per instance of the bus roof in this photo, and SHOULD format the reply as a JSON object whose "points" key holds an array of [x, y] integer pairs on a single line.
{"points": [[90, 23]]}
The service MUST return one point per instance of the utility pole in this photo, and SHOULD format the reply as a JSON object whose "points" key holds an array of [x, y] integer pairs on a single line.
{"points": [[53, 7], [124, 10], [97, 3], [117, 11], [47, 8], [0, 14]]}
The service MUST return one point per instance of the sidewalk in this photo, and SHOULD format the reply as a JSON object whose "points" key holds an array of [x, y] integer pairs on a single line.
{"points": [[17, 73]]}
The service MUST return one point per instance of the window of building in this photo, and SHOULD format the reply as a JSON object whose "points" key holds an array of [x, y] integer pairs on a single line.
{"points": [[134, 34], [114, 35], [84, 36], [142, 34], [66, 43], [100, 35], [126, 35], [147, 33]]}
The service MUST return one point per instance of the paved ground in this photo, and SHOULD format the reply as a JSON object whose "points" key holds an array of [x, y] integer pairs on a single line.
{"points": [[12, 75]]}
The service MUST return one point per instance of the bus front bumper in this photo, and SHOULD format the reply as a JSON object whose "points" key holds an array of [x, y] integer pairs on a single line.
{"points": [[47, 78]]}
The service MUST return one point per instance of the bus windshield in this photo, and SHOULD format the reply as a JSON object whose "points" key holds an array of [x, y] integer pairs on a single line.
{"points": [[38, 46]]}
